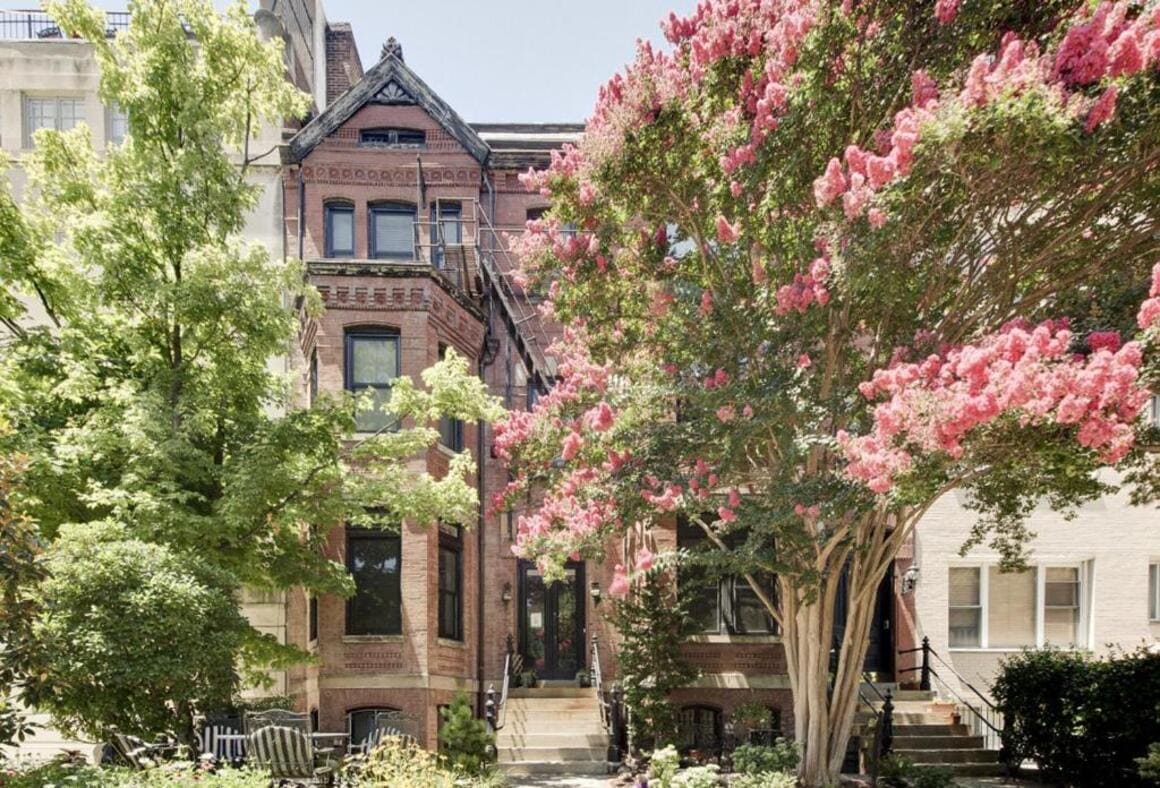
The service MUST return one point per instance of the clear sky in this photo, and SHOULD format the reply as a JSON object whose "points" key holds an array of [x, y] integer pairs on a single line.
{"points": [[504, 60], [509, 60]]}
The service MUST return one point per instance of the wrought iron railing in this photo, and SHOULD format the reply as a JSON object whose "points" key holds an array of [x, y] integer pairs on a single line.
{"points": [[495, 710], [31, 25], [611, 707], [982, 717]]}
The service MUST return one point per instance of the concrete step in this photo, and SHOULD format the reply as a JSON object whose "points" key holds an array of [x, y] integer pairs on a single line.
{"points": [[531, 768], [975, 755], [937, 729], [552, 692], [508, 738], [973, 769], [554, 726], [542, 754], [551, 706], [938, 742]]}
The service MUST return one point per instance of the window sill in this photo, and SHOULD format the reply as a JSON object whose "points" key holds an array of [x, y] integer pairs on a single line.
{"points": [[734, 639], [372, 638], [447, 450], [460, 644], [1010, 649]]}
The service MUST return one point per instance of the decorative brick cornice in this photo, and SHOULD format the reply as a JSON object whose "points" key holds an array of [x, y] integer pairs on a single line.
{"points": [[388, 296], [390, 176]]}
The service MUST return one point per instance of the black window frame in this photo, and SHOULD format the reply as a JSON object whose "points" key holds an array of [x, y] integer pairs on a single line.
{"points": [[389, 627], [312, 618], [729, 589], [390, 208], [329, 208], [372, 711], [450, 428], [450, 549], [697, 710], [355, 334], [393, 137]]}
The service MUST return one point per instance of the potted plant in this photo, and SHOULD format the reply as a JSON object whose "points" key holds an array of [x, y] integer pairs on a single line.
{"points": [[583, 679], [528, 679]]}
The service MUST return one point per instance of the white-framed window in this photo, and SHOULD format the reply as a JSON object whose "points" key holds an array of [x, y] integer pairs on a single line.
{"points": [[1041, 606], [51, 112], [1154, 591], [116, 125]]}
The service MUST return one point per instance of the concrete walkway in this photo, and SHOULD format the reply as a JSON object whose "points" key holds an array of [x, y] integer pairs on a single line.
{"points": [[559, 782]]}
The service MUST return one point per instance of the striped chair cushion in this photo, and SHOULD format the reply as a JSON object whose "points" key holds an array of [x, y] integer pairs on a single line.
{"points": [[378, 735], [284, 752]]}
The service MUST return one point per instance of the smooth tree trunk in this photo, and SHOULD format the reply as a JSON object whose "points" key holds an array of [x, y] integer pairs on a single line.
{"points": [[825, 696]]}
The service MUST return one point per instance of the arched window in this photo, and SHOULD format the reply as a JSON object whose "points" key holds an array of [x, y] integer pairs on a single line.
{"points": [[339, 220], [700, 729], [392, 231], [392, 138], [361, 722]]}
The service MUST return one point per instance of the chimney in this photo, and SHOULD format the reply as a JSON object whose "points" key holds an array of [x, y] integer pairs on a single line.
{"points": [[393, 47]]}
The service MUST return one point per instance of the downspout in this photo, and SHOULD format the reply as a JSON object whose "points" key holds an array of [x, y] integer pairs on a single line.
{"points": [[481, 461], [301, 215]]}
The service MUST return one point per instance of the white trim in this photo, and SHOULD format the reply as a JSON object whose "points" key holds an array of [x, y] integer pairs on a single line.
{"points": [[1154, 591]]}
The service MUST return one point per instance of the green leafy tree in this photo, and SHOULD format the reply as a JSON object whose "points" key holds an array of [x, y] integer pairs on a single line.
{"points": [[147, 404], [21, 568], [653, 622], [132, 634], [465, 741]]}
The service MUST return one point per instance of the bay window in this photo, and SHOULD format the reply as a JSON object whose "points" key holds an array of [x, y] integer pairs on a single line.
{"points": [[372, 364], [374, 559]]}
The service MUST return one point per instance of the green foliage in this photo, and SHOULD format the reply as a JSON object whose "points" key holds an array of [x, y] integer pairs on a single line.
{"points": [[783, 756], [133, 634], [765, 780], [698, 777], [653, 622], [1081, 720], [150, 410], [897, 771], [395, 762], [1149, 767], [72, 773], [465, 742], [21, 568], [663, 765]]}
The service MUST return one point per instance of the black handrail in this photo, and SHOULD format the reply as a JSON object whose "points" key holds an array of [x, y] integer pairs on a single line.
{"points": [[926, 669]]}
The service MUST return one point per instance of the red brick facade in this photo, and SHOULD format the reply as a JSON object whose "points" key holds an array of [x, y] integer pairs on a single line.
{"points": [[416, 670]]}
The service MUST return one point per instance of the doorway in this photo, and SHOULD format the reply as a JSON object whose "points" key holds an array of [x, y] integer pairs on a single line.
{"points": [[552, 622]]}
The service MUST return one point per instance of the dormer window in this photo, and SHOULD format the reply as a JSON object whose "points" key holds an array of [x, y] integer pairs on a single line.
{"points": [[393, 138]]}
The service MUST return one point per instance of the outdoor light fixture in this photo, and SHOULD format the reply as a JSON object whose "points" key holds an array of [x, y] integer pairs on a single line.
{"points": [[594, 592], [909, 579], [506, 594]]}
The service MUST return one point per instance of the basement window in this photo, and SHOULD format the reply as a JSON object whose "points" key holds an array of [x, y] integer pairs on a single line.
{"points": [[392, 138]]}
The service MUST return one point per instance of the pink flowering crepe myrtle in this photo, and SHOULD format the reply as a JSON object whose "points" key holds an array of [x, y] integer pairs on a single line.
{"points": [[820, 273]]}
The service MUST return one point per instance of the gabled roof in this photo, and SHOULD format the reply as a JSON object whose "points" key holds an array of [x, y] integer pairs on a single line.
{"points": [[390, 81]]}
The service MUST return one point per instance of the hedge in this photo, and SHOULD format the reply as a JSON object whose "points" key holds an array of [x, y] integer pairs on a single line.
{"points": [[1083, 721]]}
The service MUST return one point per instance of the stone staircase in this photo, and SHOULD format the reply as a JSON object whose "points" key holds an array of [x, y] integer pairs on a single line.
{"points": [[926, 733], [552, 730]]}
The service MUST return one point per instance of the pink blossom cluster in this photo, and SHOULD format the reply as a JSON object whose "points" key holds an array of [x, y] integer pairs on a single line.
{"points": [[1104, 44], [1027, 372], [1149, 314], [807, 289]]}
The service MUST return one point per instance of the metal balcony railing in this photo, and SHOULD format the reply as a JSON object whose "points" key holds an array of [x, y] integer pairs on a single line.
{"points": [[21, 25]]}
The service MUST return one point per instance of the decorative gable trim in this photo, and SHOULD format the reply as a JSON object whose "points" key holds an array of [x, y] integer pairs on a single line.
{"points": [[390, 82]]}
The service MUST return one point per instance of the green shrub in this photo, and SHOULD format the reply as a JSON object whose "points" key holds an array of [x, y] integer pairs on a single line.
{"points": [[465, 742], [1150, 766], [765, 780], [396, 762], [1083, 721], [897, 771], [698, 777], [663, 765], [76, 774], [782, 756]]}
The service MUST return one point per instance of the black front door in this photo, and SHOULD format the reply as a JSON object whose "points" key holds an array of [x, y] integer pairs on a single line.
{"points": [[552, 622], [880, 649]]}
